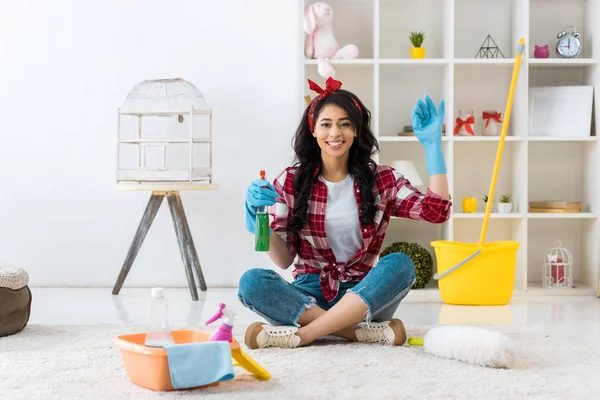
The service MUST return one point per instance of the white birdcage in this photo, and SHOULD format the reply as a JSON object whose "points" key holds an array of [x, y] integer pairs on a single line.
{"points": [[164, 134], [558, 268]]}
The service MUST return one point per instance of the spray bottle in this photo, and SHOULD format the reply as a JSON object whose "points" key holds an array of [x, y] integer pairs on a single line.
{"points": [[224, 331], [262, 240]]}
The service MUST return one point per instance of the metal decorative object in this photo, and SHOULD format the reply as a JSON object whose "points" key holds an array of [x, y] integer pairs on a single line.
{"points": [[489, 49]]}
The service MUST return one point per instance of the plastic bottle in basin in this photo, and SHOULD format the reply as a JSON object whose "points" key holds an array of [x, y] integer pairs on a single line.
{"points": [[159, 334]]}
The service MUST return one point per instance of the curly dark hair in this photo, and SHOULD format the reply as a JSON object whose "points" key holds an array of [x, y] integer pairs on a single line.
{"points": [[360, 164]]}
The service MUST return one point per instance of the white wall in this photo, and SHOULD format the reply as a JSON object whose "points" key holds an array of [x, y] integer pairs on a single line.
{"points": [[66, 66]]}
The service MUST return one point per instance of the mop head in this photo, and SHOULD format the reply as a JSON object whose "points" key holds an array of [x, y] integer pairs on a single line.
{"points": [[470, 344]]}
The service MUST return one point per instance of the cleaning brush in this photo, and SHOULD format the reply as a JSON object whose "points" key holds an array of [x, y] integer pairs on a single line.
{"points": [[469, 344]]}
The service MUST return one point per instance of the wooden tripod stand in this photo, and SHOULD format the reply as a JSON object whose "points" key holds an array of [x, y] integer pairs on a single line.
{"points": [[182, 231]]}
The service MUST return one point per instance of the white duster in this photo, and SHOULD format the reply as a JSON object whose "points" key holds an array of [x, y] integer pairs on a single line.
{"points": [[470, 344]]}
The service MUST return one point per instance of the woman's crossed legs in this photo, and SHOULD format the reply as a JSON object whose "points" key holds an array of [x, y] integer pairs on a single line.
{"points": [[298, 314]]}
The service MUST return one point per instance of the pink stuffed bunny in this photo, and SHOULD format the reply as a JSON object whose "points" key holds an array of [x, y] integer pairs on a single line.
{"points": [[320, 42]]}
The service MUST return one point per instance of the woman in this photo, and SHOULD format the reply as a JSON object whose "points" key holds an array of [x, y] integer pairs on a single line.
{"points": [[331, 211]]}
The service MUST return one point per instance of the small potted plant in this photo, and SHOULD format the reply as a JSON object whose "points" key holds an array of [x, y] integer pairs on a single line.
{"points": [[485, 200], [505, 205], [416, 38]]}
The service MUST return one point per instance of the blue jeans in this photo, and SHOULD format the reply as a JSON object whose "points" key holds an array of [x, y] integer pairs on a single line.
{"points": [[279, 302]]}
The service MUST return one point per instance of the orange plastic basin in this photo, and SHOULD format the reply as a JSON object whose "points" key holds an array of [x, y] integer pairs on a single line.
{"points": [[148, 367]]}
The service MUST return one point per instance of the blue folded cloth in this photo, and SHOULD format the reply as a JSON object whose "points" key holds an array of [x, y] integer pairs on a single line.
{"points": [[197, 364]]}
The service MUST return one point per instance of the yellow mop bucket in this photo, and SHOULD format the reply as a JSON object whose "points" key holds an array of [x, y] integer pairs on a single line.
{"points": [[485, 279], [481, 273]]}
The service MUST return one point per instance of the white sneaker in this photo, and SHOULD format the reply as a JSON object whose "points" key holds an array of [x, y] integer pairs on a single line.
{"points": [[260, 335], [387, 332]]}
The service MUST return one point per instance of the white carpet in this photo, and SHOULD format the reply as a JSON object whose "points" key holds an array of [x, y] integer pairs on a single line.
{"points": [[68, 362]]}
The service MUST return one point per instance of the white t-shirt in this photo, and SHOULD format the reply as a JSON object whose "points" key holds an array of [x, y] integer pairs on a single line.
{"points": [[342, 226]]}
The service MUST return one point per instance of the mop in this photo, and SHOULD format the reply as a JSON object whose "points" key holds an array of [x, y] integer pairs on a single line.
{"points": [[488, 207], [471, 344]]}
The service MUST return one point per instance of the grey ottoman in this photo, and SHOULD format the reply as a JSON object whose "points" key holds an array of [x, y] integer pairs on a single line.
{"points": [[15, 300]]}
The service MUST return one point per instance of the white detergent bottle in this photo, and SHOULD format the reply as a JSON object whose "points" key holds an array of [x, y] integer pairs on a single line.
{"points": [[159, 333]]}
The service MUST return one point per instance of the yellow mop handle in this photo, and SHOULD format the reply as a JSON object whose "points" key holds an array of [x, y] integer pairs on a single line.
{"points": [[511, 93]]}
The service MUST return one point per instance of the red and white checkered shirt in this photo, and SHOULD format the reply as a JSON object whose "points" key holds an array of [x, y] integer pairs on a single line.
{"points": [[394, 197]]}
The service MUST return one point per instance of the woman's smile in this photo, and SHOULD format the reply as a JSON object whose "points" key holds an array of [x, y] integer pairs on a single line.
{"points": [[335, 144]]}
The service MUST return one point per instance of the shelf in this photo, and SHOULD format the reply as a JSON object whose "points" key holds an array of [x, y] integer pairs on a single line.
{"points": [[355, 61], [487, 138], [403, 139], [416, 61], [534, 288], [163, 141], [560, 62], [389, 81], [562, 139], [541, 215], [485, 61], [480, 215]]}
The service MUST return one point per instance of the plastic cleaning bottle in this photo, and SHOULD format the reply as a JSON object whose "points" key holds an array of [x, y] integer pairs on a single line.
{"points": [[261, 242], [224, 331], [159, 334]]}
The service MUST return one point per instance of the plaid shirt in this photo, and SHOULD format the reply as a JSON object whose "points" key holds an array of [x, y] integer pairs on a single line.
{"points": [[394, 197]]}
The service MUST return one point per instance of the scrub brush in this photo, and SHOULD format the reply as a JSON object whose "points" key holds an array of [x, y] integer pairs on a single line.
{"points": [[469, 344]]}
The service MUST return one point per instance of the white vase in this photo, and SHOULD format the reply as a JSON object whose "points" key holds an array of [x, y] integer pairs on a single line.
{"points": [[491, 123], [504, 207], [466, 125]]}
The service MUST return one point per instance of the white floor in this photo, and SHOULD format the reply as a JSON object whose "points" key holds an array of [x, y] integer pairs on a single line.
{"points": [[576, 317]]}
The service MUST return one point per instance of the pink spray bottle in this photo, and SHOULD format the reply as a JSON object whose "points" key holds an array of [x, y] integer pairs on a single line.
{"points": [[224, 331]]}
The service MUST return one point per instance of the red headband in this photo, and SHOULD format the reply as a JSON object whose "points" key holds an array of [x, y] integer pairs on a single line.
{"points": [[331, 85]]}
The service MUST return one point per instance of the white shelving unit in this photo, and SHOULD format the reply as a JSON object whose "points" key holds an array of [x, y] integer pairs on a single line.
{"points": [[533, 167]]}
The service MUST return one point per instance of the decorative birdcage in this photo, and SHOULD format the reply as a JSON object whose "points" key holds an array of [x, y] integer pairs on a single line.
{"points": [[164, 134], [558, 268]]}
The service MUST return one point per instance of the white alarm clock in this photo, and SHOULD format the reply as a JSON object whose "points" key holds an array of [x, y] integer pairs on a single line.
{"points": [[568, 44]]}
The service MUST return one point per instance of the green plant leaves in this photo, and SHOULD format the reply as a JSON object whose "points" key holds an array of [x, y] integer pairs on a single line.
{"points": [[420, 257]]}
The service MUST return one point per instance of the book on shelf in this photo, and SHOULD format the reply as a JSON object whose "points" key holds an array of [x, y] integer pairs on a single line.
{"points": [[554, 206]]}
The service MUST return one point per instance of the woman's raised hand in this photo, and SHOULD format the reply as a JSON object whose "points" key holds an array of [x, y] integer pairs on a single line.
{"points": [[427, 124]]}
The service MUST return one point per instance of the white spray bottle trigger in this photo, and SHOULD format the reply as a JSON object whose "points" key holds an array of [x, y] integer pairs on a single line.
{"points": [[229, 315]]}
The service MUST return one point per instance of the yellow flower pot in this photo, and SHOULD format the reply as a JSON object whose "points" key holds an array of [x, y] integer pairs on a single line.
{"points": [[417, 52]]}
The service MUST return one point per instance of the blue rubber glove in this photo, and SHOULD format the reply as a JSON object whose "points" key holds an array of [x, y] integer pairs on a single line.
{"points": [[258, 196], [427, 125]]}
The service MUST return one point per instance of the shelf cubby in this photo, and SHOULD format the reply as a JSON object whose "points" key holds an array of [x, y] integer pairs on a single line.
{"points": [[480, 87], [577, 236], [399, 18], [355, 77], [412, 151], [404, 84], [353, 23], [499, 229], [549, 17], [405, 230], [473, 168], [564, 171], [474, 20]]}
